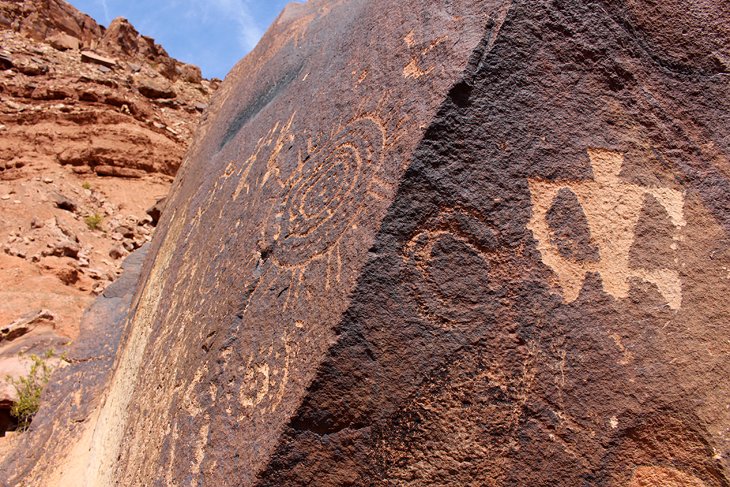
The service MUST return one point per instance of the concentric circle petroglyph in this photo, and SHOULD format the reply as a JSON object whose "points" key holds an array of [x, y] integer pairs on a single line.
{"points": [[449, 260], [328, 192]]}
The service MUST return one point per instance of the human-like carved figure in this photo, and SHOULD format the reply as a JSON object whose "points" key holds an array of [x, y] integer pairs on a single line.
{"points": [[612, 208]]}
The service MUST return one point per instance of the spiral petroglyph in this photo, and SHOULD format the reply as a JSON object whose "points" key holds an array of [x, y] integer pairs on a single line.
{"points": [[327, 192]]}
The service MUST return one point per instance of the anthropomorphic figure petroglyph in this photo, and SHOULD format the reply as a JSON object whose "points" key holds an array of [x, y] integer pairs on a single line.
{"points": [[612, 208]]}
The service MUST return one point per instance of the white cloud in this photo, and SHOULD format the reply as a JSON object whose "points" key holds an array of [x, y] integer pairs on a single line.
{"points": [[238, 10], [106, 11]]}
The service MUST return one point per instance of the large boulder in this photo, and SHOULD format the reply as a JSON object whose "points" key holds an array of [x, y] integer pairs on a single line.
{"points": [[438, 243]]}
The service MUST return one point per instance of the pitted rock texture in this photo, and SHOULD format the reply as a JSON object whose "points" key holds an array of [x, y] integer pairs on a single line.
{"points": [[462, 243]]}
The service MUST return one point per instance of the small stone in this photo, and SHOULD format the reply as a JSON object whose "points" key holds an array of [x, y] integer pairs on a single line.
{"points": [[190, 73], [47, 180], [156, 211], [64, 42], [120, 172], [68, 276], [90, 57], [117, 252], [152, 88], [6, 62], [64, 203], [32, 68]]}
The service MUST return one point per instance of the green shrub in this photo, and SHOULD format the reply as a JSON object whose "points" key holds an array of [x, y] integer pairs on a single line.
{"points": [[93, 221], [86, 185], [29, 390]]}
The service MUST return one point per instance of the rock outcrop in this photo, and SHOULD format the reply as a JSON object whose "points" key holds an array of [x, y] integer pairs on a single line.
{"points": [[94, 123], [436, 243], [86, 148]]}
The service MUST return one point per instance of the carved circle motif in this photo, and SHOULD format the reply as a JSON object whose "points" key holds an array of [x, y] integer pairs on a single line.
{"points": [[328, 193], [450, 262]]}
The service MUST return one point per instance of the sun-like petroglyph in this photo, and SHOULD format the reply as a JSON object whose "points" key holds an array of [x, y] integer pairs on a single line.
{"points": [[328, 193], [612, 208], [266, 378]]}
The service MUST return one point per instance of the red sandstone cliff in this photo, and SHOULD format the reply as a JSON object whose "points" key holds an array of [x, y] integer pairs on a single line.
{"points": [[94, 123]]}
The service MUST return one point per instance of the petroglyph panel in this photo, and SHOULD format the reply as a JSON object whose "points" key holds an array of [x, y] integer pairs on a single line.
{"points": [[612, 209], [375, 278]]}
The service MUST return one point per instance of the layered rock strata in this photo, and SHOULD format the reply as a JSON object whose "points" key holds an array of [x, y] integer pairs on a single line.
{"points": [[94, 123]]}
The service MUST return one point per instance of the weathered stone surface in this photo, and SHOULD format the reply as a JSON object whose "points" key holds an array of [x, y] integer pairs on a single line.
{"points": [[64, 42], [24, 325], [439, 243], [190, 73], [154, 88], [6, 62], [75, 390], [119, 172], [92, 57]]}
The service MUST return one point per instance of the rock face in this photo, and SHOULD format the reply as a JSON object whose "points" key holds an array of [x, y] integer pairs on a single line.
{"points": [[438, 243]]}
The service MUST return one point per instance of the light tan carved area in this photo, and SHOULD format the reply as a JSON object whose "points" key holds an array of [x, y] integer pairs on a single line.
{"points": [[332, 188], [260, 379], [421, 50], [663, 477], [419, 64], [279, 135], [612, 208]]}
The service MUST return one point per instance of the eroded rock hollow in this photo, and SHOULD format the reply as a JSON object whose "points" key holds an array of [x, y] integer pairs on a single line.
{"points": [[436, 243]]}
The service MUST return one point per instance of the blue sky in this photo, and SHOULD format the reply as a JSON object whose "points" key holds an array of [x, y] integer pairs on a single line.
{"points": [[213, 34]]}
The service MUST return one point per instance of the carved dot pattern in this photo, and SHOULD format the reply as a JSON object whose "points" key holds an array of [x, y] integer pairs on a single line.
{"points": [[328, 193]]}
